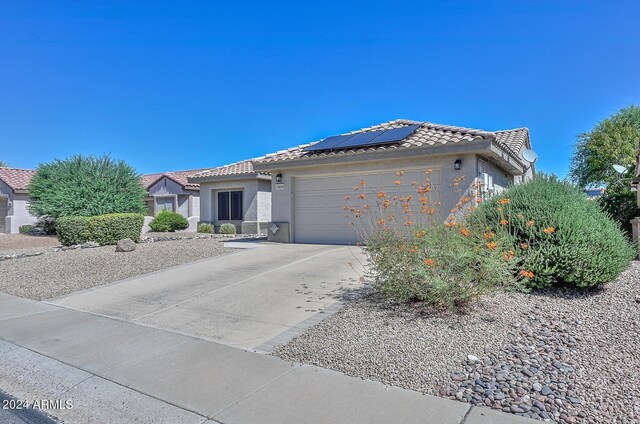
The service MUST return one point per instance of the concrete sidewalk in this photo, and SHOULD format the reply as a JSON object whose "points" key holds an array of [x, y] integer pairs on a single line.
{"points": [[115, 371]]}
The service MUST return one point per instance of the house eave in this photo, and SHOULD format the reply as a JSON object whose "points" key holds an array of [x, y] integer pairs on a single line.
{"points": [[488, 148], [231, 177]]}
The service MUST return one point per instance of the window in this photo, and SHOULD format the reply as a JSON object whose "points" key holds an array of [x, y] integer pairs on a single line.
{"points": [[230, 206]]}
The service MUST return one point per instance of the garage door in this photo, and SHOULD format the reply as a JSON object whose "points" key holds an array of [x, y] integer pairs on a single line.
{"points": [[319, 215]]}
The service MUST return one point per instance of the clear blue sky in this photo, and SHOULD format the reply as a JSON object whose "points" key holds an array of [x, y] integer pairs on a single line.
{"points": [[170, 85]]}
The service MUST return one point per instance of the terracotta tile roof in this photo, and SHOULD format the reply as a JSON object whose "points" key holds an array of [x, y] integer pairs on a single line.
{"points": [[238, 168], [180, 177], [17, 179], [427, 134]]}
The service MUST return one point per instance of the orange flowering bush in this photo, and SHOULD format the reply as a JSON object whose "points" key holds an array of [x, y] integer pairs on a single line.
{"points": [[416, 254]]}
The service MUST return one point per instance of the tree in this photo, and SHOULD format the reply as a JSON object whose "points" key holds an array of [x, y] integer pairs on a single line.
{"points": [[615, 140], [85, 186], [3, 164]]}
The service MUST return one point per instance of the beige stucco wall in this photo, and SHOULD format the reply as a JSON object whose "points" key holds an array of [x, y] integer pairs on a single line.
{"points": [[282, 210], [256, 202], [18, 213], [169, 188]]}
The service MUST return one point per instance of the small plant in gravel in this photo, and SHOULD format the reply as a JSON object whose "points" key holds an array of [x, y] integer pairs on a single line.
{"points": [[24, 229], [556, 233], [227, 228], [205, 228], [168, 221]]}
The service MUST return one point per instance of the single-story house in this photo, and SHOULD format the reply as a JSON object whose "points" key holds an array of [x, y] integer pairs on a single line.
{"points": [[172, 191], [14, 199], [311, 182], [235, 194]]}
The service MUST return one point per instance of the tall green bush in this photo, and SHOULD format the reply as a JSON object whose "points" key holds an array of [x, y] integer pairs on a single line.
{"points": [[85, 186], [167, 220], [558, 234]]}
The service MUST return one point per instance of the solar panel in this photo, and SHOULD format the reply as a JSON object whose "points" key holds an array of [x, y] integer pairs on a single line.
{"points": [[328, 143], [393, 135], [371, 138], [360, 139]]}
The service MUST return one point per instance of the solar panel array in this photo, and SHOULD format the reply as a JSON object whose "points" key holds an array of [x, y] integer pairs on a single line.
{"points": [[364, 139]]}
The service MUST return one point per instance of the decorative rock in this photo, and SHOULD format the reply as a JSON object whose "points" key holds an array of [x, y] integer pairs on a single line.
{"points": [[89, 245], [472, 358], [125, 245], [537, 387]]}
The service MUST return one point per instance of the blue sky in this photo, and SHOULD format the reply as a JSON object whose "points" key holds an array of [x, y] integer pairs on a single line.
{"points": [[184, 85]]}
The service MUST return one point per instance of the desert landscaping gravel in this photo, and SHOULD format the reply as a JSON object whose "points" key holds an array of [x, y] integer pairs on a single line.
{"points": [[561, 355], [58, 273], [20, 243]]}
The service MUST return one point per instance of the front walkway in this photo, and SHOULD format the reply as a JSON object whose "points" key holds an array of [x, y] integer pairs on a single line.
{"points": [[115, 371]]}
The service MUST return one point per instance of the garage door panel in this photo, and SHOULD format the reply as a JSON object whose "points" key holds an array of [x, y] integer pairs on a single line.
{"points": [[319, 202]]}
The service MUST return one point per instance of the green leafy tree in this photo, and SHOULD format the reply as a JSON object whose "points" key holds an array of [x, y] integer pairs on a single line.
{"points": [[615, 140], [85, 186], [3, 164]]}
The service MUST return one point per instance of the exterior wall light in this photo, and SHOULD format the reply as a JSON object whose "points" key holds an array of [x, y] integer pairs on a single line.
{"points": [[278, 178], [457, 164]]}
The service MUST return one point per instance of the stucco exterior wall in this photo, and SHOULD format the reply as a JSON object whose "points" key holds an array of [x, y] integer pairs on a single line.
{"points": [[499, 175], [166, 187], [282, 209], [256, 203], [18, 213]]}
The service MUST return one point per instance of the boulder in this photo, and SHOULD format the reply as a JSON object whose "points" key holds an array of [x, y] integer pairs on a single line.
{"points": [[125, 245]]}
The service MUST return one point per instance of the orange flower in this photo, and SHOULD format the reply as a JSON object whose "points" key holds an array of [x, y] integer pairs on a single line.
{"points": [[492, 245], [363, 183], [414, 249], [397, 182], [400, 173], [450, 223], [428, 262], [504, 201], [524, 245], [488, 235], [465, 199], [503, 222], [499, 209], [508, 255], [526, 274], [408, 224], [420, 233], [549, 230], [531, 223], [361, 196], [356, 188], [386, 203], [380, 194], [465, 232], [380, 222]]}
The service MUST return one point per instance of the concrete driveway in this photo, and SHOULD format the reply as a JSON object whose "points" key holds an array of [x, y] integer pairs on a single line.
{"points": [[253, 298]]}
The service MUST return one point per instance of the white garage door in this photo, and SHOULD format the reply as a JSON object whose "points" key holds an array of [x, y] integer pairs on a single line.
{"points": [[319, 215]]}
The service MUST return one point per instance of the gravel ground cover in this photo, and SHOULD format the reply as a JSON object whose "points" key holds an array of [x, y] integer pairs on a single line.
{"points": [[21, 243], [560, 355], [59, 273]]}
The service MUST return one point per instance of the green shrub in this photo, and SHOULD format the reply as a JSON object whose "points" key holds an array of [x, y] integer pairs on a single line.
{"points": [[227, 228], [103, 229], [113, 227], [24, 229], [559, 236], [73, 230], [168, 221], [85, 186], [204, 227]]}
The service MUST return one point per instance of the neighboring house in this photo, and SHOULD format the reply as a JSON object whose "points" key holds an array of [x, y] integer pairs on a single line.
{"points": [[14, 199], [310, 182], [235, 194], [635, 185], [594, 193], [172, 191]]}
